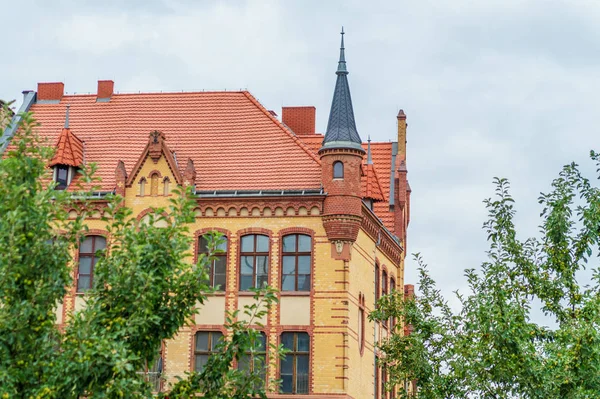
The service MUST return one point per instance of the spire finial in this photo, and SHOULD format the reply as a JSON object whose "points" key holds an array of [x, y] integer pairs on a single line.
{"points": [[369, 158], [342, 62], [67, 117]]}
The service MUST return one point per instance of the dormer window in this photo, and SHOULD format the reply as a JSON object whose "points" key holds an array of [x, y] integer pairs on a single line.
{"points": [[338, 170], [63, 175]]}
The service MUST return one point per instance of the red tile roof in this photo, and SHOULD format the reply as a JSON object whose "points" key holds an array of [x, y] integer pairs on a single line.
{"points": [[69, 150], [370, 184], [234, 142]]}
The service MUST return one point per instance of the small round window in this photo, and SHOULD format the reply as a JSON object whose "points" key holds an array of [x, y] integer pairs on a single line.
{"points": [[338, 170]]}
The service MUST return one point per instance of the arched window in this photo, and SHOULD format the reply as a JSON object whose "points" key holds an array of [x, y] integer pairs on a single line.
{"points": [[384, 290], [62, 176], [297, 259], [254, 261], [218, 267], [154, 184], [377, 293], [392, 290], [255, 359], [88, 257], [338, 170], [142, 186], [166, 188]]}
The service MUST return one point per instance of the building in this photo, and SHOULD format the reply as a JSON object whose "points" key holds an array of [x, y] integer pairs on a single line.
{"points": [[322, 218]]}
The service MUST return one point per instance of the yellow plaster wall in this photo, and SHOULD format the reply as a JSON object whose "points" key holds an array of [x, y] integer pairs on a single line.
{"points": [[330, 316]]}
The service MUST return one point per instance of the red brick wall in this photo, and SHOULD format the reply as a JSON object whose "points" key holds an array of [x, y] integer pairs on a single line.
{"points": [[105, 88], [50, 91], [300, 119]]}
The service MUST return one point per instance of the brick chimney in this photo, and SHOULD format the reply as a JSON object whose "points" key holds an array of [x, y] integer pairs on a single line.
{"points": [[52, 91], [105, 90], [300, 119]]}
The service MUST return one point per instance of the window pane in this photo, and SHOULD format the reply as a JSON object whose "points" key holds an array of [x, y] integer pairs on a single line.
{"points": [[220, 265], [289, 264], [262, 341], [304, 282], [86, 245], [289, 243], [85, 265], [303, 264], [244, 363], [304, 243], [287, 383], [262, 265], [288, 282], [62, 173], [223, 245], [248, 243], [246, 282], [287, 340], [303, 342], [200, 362], [219, 281], [203, 247], [216, 339], [302, 374], [287, 364], [247, 266], [100, 243], [83, 283], [202, 341], [262, 280], [262, 244]]}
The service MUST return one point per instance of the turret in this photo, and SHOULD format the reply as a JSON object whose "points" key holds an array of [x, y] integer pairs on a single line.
{"points": [[341, 159]]}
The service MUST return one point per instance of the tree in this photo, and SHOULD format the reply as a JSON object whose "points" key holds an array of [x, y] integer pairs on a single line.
{"points": [[491, 347], [145, 289]]}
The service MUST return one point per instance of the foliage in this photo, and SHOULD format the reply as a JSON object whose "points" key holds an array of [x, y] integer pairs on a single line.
{"points": [[492, 347], [145, 289]]}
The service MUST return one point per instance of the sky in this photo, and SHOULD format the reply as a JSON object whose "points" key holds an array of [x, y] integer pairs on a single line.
{"points": [[490, 88]]}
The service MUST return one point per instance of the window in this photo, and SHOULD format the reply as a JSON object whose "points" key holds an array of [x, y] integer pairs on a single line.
{"points": [[338, 170], [88, 257], [206, 345], [61, 177], [254, 261], [218, 267], [361, 322], [376, 282], [294, 368], [142, 186], [384, 393], [166, 188], [392, 290], [153, 373], [255, 360], [384, 290], [297, 259]]}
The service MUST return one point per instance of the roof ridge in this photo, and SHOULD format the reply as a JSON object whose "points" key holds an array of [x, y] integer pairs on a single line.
{"points": [[283, 127]]}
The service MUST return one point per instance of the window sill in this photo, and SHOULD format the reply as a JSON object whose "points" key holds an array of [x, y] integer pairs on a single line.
{"points": [[294, 293], [216, 293]]}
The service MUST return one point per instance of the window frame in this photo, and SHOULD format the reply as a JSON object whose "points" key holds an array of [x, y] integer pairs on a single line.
{"points": [[294, 354], [338, 170], [392, 290], [159, 363], [296, 254], [384, 290], [224, 255], [377, 282], [94, 260], [61, 184], [255, 254], [211, 346]]}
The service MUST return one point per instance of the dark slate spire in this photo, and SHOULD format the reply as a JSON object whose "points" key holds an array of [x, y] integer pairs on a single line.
{"points": [[341, 128]]}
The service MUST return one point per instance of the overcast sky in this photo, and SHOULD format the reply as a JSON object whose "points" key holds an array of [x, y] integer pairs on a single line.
{"points": [[491, 88]]}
